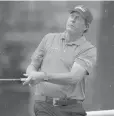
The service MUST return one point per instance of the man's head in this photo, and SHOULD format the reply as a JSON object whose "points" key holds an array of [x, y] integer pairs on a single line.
{"points": [[79, 20]]}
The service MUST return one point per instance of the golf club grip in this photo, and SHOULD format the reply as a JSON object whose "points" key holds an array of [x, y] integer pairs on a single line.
{"points": [[23, 79]]}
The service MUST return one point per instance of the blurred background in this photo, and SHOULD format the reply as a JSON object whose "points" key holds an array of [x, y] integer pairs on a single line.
{"points": [[22, 26]]}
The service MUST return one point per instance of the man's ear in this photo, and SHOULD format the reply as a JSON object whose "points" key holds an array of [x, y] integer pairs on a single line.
{"points": [[86, 27]]}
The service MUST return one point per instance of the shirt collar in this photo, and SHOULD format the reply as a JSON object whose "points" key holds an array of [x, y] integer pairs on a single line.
{"points": [[77, 42]]}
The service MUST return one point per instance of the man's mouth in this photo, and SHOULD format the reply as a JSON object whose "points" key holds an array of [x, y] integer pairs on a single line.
{"points": [[71, 25]]}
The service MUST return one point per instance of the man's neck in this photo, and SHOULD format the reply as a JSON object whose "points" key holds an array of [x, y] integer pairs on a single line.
{"points": [[71, 37]]}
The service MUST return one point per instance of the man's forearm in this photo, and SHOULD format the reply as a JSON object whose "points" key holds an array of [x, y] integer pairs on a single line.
{"points": [[76, 74], [61, 78], [65, 78]]}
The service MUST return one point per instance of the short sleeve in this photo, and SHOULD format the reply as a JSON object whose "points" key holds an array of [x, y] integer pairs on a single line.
{"points": [[87, 59], [39, 53]]}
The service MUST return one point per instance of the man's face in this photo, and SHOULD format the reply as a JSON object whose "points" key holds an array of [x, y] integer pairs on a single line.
{"points": [[75, 23]]}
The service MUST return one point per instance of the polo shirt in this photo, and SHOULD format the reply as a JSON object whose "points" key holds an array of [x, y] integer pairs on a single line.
{"points": [[55, 55]]}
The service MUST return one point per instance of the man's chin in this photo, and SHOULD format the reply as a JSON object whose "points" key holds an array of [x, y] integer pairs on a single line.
{"points": [[71, 30]]}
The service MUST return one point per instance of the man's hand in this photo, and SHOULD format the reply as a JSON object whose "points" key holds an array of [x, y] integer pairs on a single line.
{"points": [[34, 78]]}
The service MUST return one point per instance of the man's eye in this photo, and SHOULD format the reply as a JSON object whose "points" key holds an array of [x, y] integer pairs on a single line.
{"points": [[72, 15]]}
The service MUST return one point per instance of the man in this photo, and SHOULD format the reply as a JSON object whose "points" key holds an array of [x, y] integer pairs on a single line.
{"points": [[60, 66]]}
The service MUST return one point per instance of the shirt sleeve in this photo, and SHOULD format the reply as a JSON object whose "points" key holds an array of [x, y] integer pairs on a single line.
{"points": [[39, 53], [87, 59]]}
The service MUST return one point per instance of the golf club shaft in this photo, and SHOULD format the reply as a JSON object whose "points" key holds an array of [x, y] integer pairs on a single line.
{"points": [[20, 79]]}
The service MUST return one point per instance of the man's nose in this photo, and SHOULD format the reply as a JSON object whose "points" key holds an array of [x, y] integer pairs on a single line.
{"points": [[74, 19]]}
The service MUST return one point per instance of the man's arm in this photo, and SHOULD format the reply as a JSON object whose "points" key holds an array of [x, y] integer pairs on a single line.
{"points": [[81, 67], [76, 74], [36, 61]]}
